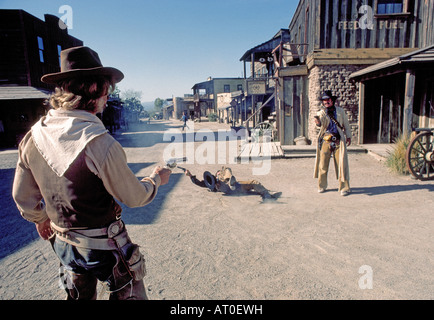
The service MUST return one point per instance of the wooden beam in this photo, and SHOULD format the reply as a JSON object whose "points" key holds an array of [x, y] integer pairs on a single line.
{"points": [[410, 80], [353, 56], [361, 111], [380, 121], [253, 64], [423, 120], [293, 71], [245, 75]]}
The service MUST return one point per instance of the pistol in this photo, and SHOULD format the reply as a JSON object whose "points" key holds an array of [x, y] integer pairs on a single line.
{"points": [[172, 163]]}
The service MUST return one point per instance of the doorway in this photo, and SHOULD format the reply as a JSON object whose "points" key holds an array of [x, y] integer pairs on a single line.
{"points": [[384, 101]]}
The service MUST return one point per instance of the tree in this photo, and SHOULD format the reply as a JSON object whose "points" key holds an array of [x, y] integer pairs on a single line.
{"points": [[130, 93], [131, 100], [115, 94], [133, 104], [158, 104]]}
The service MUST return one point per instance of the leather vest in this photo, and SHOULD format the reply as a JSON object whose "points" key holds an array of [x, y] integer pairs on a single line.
{"points": [[76, 199]]}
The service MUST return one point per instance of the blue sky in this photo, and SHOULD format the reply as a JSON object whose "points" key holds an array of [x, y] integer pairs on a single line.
{"points": [[164, 47]]}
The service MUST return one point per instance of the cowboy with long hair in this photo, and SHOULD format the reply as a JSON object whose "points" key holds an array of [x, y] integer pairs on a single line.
{"points": [[70, 170]]}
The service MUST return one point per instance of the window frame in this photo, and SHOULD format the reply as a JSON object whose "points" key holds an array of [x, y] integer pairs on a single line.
{"points": [[59, 49], [41, 49], [404, 10]]}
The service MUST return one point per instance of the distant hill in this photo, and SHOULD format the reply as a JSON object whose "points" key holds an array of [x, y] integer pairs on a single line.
{"points": [[148, 105]]}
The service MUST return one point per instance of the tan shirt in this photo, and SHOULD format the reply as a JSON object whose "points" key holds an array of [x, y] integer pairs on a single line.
{"points": [[106, 158]]}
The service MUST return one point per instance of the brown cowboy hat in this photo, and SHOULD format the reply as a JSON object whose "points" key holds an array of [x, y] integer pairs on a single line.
{"points": [[81, 61]]}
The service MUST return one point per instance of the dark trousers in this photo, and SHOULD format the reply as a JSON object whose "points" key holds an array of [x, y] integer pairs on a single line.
{"points": [[81, 269]]}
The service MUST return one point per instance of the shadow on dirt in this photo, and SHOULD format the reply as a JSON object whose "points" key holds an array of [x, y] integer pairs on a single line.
{"points": [[378, 190], [15, 231], [150, 213], [143, 135]]}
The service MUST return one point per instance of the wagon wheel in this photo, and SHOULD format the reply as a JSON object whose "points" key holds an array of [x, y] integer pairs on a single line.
{"points": [[420, 156]]}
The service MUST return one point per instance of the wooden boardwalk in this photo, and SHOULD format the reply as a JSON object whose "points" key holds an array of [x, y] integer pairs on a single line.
{"points": [[260, 150], [273, 150]]}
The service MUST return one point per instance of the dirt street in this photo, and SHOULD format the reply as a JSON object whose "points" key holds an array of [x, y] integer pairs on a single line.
{"points": [[373, 244]]}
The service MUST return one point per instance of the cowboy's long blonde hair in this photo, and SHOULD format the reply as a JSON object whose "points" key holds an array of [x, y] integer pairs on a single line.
{"points": [[81, 93]]}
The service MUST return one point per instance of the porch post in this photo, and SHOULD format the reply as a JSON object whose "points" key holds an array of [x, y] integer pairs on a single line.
{"points": [[253, 96], [410, 80], [361, 111]]}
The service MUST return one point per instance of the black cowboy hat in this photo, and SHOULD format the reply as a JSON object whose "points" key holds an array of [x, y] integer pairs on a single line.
{"points": [[81, 61], [327, 95], [209, 180]]}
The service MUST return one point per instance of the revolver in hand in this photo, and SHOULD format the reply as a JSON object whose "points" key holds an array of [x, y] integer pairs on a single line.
{"points": [[172, 163]]}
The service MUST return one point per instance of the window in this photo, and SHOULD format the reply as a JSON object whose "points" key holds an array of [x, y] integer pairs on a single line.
{"points": [[41, 49], [389, 6], [240, 87], [227, 88], [59, 49]]}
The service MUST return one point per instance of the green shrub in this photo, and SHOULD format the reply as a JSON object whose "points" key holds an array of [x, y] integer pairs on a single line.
{"points": [[212, 117], [396, 158]]}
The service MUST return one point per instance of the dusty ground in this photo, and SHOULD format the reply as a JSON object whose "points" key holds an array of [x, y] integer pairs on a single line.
{"points": [[204, 245]]}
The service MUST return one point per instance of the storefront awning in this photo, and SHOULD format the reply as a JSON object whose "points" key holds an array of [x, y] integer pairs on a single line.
{"points": [[22, 92], [425, 55], [224, 107]]}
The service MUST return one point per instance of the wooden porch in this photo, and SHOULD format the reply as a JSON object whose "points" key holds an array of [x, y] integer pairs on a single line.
{"points": [[259, 150]]}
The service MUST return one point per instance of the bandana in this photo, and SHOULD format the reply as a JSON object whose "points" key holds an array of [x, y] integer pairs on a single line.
{"points": [[61, 135]]}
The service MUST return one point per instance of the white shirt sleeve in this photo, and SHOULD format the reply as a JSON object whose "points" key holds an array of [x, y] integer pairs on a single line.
{"points": [[106, 158]]}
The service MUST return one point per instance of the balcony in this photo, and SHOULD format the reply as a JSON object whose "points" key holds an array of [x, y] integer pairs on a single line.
{"points": [[203, 97], [289, 54]]}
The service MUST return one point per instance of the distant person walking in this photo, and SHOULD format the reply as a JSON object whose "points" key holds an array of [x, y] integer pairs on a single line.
{"points": [[334, 135], [70, 170], [184, 119]]}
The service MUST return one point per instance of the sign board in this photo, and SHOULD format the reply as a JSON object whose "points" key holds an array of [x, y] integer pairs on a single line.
{"points": [[223, 100], [256, 87]]}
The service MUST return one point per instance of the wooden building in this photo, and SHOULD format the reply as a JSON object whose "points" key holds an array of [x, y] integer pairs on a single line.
{"points": [[183, 105], [259, 95], [30, 48], [399, 94], [205, 94], [115, 115], [333, 39]]}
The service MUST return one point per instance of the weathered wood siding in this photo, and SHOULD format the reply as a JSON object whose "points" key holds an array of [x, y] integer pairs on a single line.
{"points": [[19, 63], [331, 24], [13, 68], [295, 111]]}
